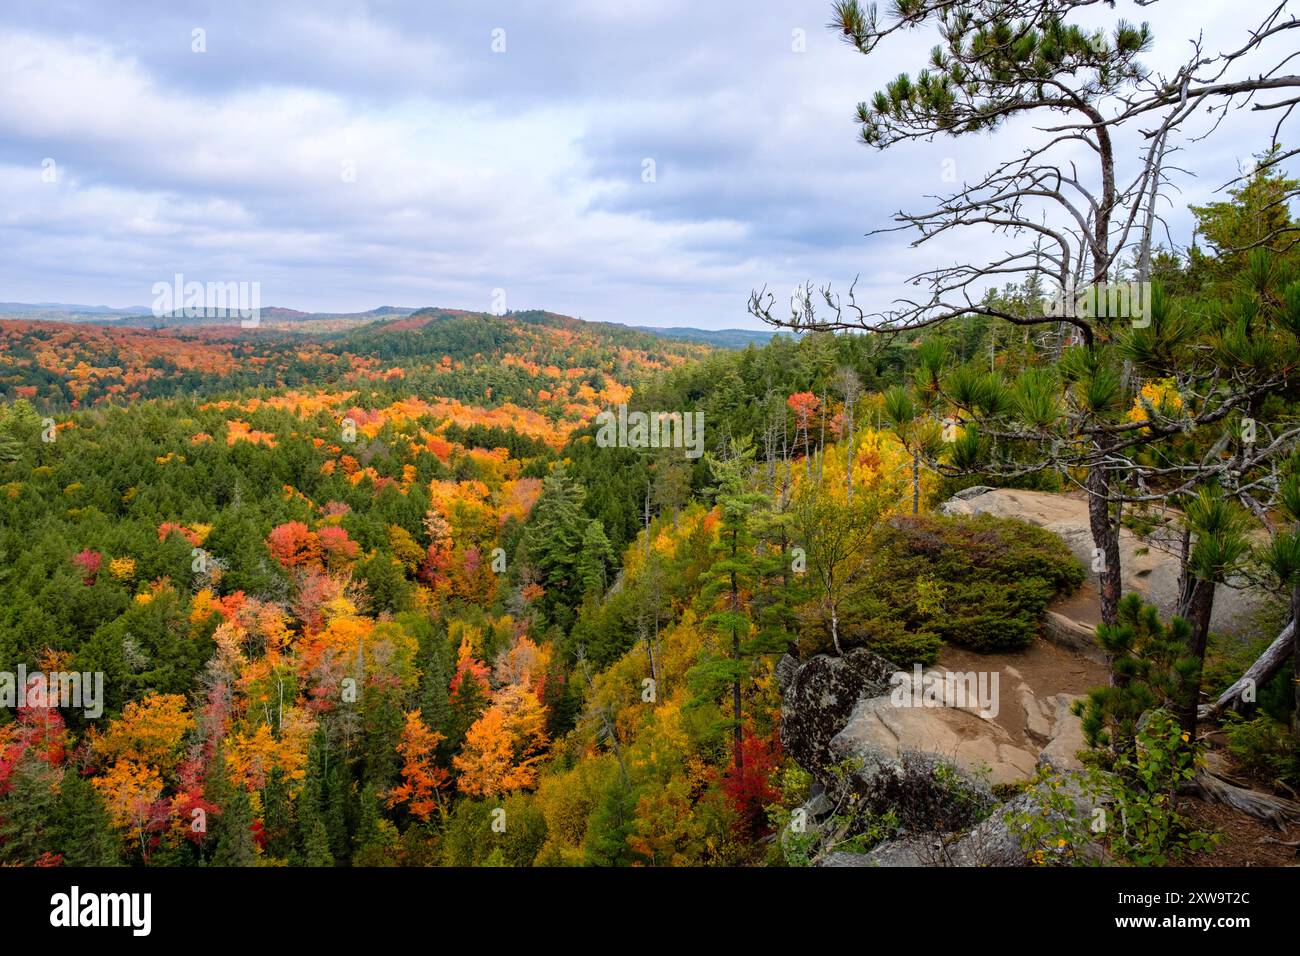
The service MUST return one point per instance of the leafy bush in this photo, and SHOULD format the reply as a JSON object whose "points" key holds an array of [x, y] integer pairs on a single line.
{"points": [[1265, 747], [1135, 810], [890, 638], [850, 827], [978, 582]]}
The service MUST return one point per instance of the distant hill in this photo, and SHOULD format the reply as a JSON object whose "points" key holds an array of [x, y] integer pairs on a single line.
{"points": [[719, 338], [141, 317], [552, 363], [51, 310]]}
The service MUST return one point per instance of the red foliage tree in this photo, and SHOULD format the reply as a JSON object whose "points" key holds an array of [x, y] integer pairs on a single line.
{"points": [[336, 547], [422, 778], [39, 730], [750, 788], [469, 671], [293, 544], [89, 562], [805, 406]]}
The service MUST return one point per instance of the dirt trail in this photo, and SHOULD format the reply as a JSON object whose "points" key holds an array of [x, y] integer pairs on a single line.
{"points": [[1084, 605], [1046, 669]]}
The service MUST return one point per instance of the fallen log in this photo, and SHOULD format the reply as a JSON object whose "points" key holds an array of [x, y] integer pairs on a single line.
{"points": [[1258, 674], [1263, 806]]}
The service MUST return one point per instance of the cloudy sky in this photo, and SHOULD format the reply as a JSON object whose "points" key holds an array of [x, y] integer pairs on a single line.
{"points": [[349, 154]]}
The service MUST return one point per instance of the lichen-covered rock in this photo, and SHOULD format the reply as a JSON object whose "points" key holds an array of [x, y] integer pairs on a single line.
{"points": [[929, 767], [920, 850], [786, 668], [1062, 751], [819, 699], [996, 841], [924, 791]]}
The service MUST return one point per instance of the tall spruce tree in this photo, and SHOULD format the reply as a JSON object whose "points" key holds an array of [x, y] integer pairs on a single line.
{"points": [[735, 572], [85, 836], [28, 821]]}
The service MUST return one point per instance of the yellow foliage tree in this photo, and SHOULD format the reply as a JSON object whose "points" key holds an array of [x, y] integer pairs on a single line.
{"points": [[504, 746], [150, 732], [122, 568], [131, 793]]}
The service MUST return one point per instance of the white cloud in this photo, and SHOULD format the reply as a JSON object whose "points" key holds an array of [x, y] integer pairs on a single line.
{"points": [[473, 170]]}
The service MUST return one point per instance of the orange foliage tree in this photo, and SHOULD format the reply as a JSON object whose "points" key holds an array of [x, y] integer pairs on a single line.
{"points": [[422, 778], [505, 745]]}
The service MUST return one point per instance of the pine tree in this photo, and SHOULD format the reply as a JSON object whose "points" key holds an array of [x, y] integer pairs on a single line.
{"points": [[553, 542], [436, 670], [735, 570], [612, 821], [916, 430], [368, 817], [383, 720], [28, 815], [311, 835], [1153, 669], [1220, 528], [1258, 211], [10, 448], [316, 850], [779, 588], [277, 815], [85, 838], [337, 809], [232, 829], [234, 844], [594, 558]]}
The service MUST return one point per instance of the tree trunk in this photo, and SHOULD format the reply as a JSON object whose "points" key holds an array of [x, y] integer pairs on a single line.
{"points": [[1258, 674], [916, 481], [1295, 654], [1105, 537], [1201, 608], [1278, 811], [1186, 583]]}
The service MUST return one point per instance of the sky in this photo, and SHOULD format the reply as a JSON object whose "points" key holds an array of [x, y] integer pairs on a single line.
{"points": [[648, 162]]}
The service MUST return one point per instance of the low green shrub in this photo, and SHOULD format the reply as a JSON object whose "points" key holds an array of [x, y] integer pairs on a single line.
{"points": [[978, 582], [1265, 747]]}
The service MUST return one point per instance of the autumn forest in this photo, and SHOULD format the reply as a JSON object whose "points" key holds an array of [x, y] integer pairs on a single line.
{"points": [[1001, 572]]}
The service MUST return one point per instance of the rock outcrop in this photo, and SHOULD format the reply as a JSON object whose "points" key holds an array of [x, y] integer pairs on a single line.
{"points": [[998, 840], [819, 698], [1149, 567], [853, 722], [842, 711]]}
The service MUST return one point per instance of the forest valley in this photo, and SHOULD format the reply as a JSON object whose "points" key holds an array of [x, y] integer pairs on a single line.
{"points": [[347, 625], [380, 596]]}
